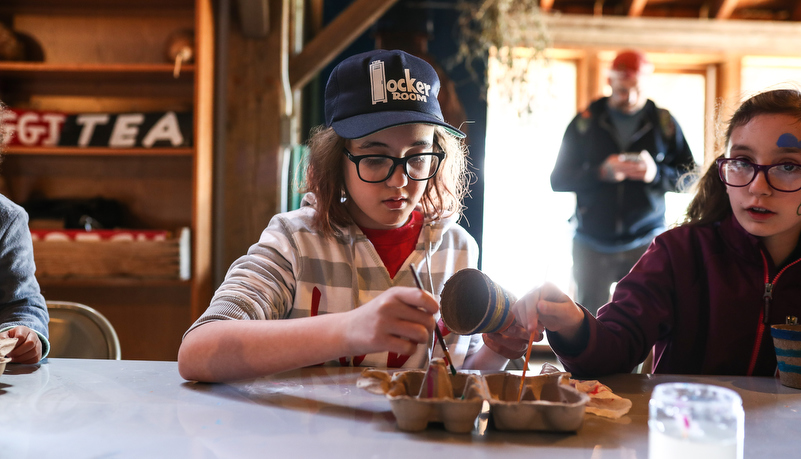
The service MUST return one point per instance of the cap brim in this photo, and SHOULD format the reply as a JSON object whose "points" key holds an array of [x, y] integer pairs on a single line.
{"points": [[365, 124]]}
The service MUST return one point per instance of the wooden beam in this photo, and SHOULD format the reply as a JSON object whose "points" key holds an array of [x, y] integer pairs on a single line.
{"points": [[256, 117], [729, 86], [710, 113], [589, 80], [636, 7], [314, 15], [336, 36], [254, 16], [202, 288], [795, 14], [674, 35], [722, 9]]}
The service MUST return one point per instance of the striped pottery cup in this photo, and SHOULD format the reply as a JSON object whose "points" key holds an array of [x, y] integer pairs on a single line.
{"points": [[472, 303], [787, 342]]}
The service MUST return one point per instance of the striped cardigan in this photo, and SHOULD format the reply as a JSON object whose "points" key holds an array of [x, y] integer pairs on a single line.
{"points": [[295, 272]]}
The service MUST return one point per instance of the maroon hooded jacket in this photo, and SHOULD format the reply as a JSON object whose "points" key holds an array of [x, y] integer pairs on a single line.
{"points": [[696, 296]]}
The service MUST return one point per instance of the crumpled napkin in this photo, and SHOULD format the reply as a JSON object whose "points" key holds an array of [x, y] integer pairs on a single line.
{"points": [[603, 402], [6, 346]]}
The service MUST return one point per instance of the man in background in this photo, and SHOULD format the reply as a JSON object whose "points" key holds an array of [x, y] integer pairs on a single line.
{"points": [[620, 156]]}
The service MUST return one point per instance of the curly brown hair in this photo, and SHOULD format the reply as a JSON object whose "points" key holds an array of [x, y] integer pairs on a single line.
{"points": [[711, 203], [325, 178]]}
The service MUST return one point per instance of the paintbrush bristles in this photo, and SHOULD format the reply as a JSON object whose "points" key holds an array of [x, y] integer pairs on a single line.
{"points": [[444, 348]]}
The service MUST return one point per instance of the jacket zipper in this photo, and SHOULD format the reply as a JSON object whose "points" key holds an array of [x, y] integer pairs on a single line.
{"points": [[764, 314]]}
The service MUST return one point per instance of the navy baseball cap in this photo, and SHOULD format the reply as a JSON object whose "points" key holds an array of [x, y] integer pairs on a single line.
{"points": [[379, 89]]}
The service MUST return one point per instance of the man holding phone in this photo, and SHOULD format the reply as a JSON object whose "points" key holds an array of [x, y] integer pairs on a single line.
{"points": [[620, 156]]}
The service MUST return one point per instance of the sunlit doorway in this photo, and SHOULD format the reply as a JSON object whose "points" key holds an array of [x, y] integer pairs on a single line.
{"points": [[527, 237]]}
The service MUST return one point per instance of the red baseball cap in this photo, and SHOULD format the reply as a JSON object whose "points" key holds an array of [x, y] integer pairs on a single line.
{"points": [[631, 61]]}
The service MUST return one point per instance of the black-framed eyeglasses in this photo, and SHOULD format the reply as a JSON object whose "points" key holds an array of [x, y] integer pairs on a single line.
{"points": [[737, 172], [377, 168]]}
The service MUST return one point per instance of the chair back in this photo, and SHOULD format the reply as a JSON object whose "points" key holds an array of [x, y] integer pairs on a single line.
{"points": [[80, 332]]}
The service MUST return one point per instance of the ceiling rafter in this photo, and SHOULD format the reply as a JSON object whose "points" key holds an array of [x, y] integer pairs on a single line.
{"points": [[795, 13], [334, 38], [635, 7], [723, 9], [749, 10]]}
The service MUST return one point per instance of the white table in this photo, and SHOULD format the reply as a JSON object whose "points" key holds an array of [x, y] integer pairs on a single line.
{"points": [[139, 409]]}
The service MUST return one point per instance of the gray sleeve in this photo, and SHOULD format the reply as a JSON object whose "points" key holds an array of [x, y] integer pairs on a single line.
{"points": [[21, 302], [259, 285]]}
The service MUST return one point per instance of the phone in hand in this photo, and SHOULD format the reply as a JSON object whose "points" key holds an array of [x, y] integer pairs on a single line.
{"points": [[630, 157]]}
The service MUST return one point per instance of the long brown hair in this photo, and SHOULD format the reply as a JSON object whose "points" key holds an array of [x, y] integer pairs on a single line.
{"points": [[711, 203], [325, 177]]}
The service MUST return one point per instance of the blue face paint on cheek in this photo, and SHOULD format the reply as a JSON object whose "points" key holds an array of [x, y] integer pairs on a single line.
{"points": [[788, 141], [798, 210]]}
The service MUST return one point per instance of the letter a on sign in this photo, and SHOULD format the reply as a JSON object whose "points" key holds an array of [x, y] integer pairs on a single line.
{"points": [[165, 129]]}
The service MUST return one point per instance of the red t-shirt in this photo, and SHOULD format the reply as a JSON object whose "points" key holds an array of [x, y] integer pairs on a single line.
{"points": [[395, 245]]}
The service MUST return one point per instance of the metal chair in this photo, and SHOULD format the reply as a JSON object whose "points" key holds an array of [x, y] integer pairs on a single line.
{"points": [[78, 331], [647, 365]]}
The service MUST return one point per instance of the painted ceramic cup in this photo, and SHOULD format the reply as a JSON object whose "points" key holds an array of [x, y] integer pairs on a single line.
{"points": [[787, 342], [472, 303]]}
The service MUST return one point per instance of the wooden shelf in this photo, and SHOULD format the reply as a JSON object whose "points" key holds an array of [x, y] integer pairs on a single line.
{"points": [[98, 151], [112, 282], [56, 7], [90, 72]]}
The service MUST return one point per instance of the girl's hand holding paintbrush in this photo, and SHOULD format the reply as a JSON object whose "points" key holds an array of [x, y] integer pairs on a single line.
{"points": [[397, 321], [547, 307]]}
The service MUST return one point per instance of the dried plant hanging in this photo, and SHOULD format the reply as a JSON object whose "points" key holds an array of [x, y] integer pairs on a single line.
{"points": [[513, 34]]}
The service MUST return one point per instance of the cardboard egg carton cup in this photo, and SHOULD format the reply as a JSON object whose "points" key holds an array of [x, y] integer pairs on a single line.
{"points": [[6, 346], [548, 402]]}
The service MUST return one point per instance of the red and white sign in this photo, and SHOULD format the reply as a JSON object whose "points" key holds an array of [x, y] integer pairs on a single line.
{"points": [[31, 128], [114, 130]]}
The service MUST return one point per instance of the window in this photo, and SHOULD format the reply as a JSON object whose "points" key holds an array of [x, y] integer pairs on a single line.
{"points": [[527, 237], [683, 95], [761, 73]]}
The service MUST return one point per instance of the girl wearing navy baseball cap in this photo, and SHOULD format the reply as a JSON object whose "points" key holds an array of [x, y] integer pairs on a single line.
{"points": [[331, 282]]}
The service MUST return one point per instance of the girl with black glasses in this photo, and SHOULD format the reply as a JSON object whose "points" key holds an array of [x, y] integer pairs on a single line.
{"points": [[705, 293]]}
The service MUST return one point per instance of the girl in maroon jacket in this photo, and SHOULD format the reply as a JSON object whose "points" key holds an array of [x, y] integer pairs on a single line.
{"points": [[705, 293]]}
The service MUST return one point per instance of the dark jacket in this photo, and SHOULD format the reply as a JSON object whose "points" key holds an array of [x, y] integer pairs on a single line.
{"points": [[697, 295], [618, 213]]}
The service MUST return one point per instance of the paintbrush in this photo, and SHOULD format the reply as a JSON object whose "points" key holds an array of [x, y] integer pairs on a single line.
{"points": [[525, 367], [528, 355], [436, 327]]}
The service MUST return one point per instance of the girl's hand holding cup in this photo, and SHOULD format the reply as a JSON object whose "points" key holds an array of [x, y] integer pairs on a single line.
{"points": [[547, 307]]}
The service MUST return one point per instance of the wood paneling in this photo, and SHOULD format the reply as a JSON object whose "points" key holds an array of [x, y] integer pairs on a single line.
{"points": [[111, 56]]}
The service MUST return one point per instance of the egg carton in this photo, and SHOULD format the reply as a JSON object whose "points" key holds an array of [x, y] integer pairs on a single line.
{"points": [[548, 403]]}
